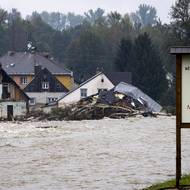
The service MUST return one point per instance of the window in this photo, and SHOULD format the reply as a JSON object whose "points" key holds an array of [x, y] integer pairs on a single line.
{"points": [[83, 92], [51, 99], [6, 91], [45, 85], [23, 80], [32, 101]]}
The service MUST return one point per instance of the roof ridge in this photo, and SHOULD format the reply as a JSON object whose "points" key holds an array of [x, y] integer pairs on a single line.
{"points": [[25, 61]]}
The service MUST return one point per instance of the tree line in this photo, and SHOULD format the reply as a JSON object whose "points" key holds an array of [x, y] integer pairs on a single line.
{"points": [[137, 42]]}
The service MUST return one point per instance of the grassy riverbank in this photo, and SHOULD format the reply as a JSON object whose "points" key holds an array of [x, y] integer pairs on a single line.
{"points": [[170, 183]]}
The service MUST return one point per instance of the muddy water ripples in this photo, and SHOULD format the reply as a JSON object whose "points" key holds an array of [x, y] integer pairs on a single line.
{"points": [[105, 154]]}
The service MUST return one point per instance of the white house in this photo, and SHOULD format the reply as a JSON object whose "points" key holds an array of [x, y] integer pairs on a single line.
{"points": [[97, 83]]}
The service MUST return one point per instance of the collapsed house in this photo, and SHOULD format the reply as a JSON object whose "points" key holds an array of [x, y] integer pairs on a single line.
{"points": [[13, 101], [96, 84], [124, 95], [122, 101]]}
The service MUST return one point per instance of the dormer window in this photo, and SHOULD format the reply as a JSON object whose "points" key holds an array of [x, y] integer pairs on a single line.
{"points": [[45, 85]]}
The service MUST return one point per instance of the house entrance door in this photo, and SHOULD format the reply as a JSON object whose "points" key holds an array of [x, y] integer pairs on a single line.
{"points": [[10, 112]]}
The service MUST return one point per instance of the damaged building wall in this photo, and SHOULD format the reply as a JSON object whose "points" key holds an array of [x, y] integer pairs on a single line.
{"points": [[13, 101], [19, 108]]}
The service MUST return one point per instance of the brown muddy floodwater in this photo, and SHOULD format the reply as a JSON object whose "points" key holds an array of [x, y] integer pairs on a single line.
{"points": [[105, 154]]}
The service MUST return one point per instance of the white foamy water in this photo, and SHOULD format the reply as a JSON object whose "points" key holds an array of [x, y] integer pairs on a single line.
{"points": [[105, 154]]}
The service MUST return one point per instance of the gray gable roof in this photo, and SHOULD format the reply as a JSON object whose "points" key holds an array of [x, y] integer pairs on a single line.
{"points": [[22, 63]]}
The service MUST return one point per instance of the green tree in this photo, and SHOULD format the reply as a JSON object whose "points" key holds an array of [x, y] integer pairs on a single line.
{"points": [[74, 20], [149, 74], [3, 31], [180, 14], [59, 43], [114, 18], [143, 60], [124, 58], [16, 31], [40, 33], [181, 11], [127, 26], [85, 55], [145, 15], [95, 17], [3, 16], [56, 20]]}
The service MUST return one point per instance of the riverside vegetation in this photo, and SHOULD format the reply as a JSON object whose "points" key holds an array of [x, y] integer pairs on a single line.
{"points": [[185, 181]]}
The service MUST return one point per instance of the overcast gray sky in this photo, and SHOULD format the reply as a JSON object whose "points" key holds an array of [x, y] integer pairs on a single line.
{"points": [[81, 6]]}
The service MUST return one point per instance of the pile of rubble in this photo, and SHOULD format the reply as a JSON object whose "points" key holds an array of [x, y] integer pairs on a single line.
{"points": [[122, 101]]}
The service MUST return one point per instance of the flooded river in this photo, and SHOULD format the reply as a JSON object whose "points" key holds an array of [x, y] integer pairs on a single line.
{"points": [[105, 154]]}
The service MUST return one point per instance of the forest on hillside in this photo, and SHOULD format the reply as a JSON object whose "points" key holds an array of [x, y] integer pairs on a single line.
{"points": [[137, 42]]}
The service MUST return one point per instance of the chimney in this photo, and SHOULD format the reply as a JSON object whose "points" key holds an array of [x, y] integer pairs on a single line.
{"points": [[37, 69]]}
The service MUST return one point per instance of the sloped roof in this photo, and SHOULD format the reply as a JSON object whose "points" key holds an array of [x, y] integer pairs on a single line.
{"points": [[23, 63], [117, 77], [136, 93]]}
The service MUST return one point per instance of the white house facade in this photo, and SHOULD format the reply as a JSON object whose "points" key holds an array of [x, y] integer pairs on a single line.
{"points": [[41, 98], [97, 83]]}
